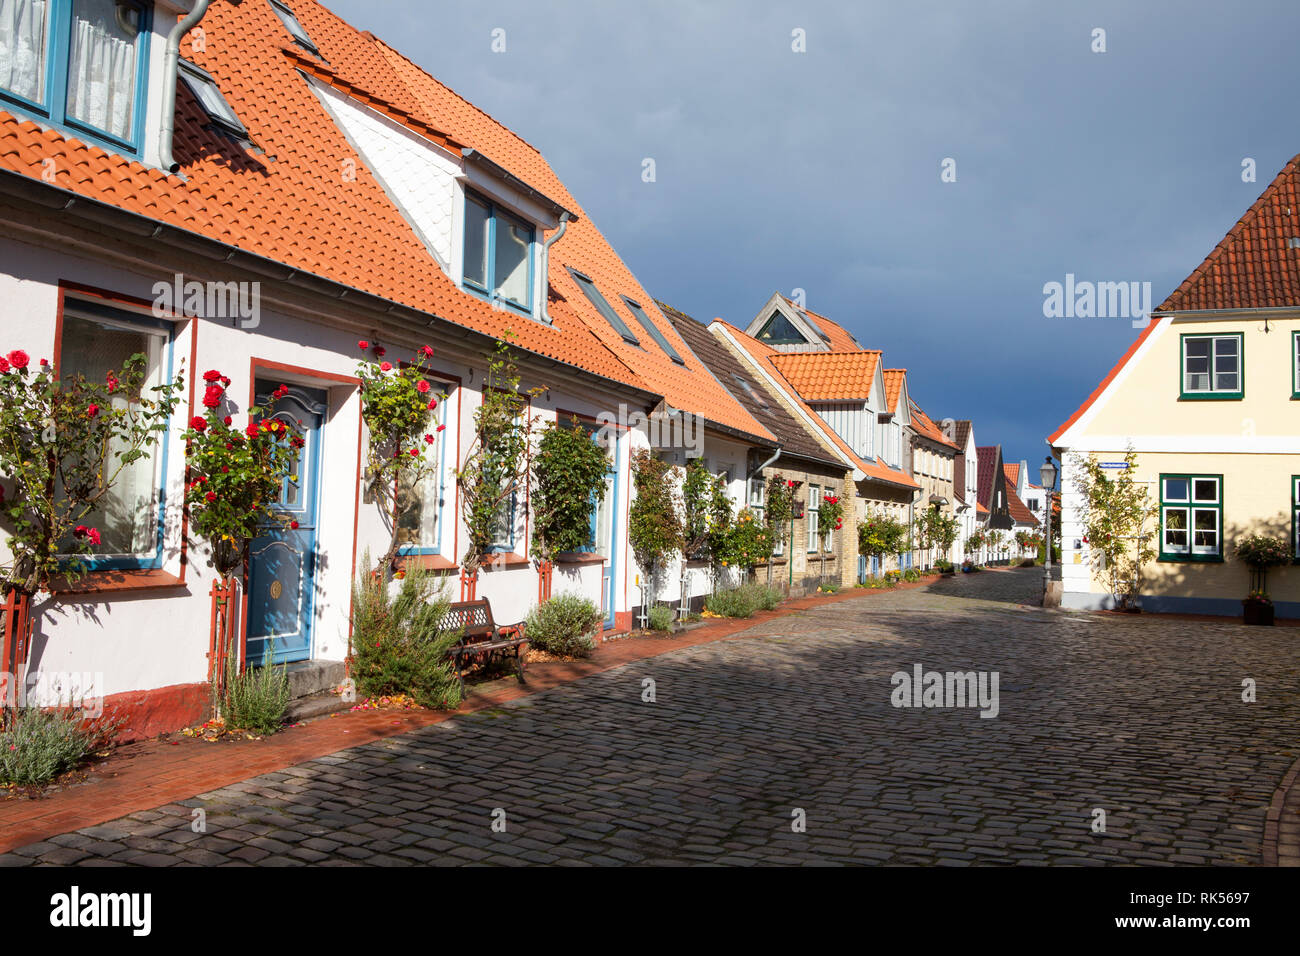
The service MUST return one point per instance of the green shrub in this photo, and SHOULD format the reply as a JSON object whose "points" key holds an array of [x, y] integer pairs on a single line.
{"points": [[256, 699], [737, 602], [911, 574], [878, 583], [38, 745], [943, 567], [744, 600], [661, 618], [399, 643], [563, 625]]}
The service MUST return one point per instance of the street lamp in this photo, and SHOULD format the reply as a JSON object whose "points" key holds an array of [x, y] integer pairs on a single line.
{"points": [[1048, 475]]}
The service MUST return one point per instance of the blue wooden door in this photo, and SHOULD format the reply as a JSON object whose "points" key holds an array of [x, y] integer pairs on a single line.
{"points": [[281, 586]]}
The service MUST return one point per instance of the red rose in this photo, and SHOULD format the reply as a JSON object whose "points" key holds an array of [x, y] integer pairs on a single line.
{"points": [[227, 420], [225, 381], [210, 497], [93, 534], [198, 423], [426, 351], [433, 403], [421, 386], [441, 427], [211, 401], [293, 525], [386, 367], [18, 358], [4, 365], [45, 363], [380, 351], [92, 410], [363, 345], [225, 469], [428, 439], [251, 430], [211, 375], [415, 452]]}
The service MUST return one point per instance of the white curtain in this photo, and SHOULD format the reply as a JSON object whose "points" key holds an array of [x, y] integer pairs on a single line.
{"points": [[22, 47], [101, 69]]}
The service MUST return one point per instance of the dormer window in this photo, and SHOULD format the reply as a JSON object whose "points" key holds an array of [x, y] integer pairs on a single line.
{"points": [[295, 29], [780, 331], [80, 64], [498, 254], [205, 90]]}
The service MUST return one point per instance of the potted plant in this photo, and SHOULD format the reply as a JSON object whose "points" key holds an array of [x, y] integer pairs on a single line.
{"points": [[1257, 609], [1260, 552]]}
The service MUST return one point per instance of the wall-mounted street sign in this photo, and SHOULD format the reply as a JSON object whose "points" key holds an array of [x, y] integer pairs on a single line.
{"points": [[1118, 465]]}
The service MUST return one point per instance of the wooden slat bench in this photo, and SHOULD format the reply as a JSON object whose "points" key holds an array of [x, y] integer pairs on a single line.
{"points": [[483, 638]]}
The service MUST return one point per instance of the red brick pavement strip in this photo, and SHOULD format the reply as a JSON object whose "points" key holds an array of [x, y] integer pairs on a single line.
{"points": [[153, 773], [1281, 845]]}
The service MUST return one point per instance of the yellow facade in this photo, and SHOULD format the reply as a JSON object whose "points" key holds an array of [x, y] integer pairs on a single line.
{"points": [[1251, 443]]}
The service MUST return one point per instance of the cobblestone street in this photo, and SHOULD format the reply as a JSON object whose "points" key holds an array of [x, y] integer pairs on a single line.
{"points": [[1139, 717]]}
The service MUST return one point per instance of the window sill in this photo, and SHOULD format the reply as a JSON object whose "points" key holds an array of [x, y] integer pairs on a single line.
{"points": [[580, 557], [97, 582], [428, 562], [1211, 397], [1190, 559], [502, 559]]}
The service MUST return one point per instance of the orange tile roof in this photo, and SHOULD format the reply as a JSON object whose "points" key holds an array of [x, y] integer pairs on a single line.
{"points": [[924, 425], [840, 339], [829, 376], [1252, 266], [1012, 472], [767, 358], [894, 378], [289, 202]]}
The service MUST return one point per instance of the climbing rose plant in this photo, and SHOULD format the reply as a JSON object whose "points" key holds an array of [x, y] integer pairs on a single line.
{"points": [[235, 473], [568, 473], [1118, 517], [880, 534], [779, 507], [495, 466], [399, 407], [654, 522], [744, 543], [63, 445]]}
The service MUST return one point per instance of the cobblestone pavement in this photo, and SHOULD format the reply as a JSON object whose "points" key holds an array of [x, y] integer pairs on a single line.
{"points": [[1141, 718]]}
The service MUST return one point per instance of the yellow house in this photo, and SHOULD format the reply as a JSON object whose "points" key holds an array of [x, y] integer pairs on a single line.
{"points": [[1208, 396]]}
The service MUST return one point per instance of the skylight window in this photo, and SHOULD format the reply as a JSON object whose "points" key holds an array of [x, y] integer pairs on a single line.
{"points": [[639, 314], [293, 26], [604, 308], [205, 90], [752, 393]]}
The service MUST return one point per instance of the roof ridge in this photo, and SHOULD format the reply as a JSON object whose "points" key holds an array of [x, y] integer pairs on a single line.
{"points": [[1220, 249], [384, 45]]}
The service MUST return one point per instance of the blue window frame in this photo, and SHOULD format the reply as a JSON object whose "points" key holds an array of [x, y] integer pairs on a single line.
{"points": [[419, 507], [499, 254], [81, 65], [588, 287], [639, 314], [95, 340]]}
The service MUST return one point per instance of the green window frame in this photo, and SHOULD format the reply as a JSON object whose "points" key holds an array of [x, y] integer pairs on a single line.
{"points": [[1295, 364], [1191, 517], [1209, 354], [1295, 519]]}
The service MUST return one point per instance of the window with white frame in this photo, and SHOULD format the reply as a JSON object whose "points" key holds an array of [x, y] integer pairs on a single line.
{"points": [[498, 253], [814, 506], [1295, 364], [1212, 366], [1191, 517], [78, 63], [97, 340]]}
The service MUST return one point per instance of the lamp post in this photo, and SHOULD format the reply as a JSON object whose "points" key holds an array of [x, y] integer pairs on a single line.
{"points": [[1047, 472]]}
